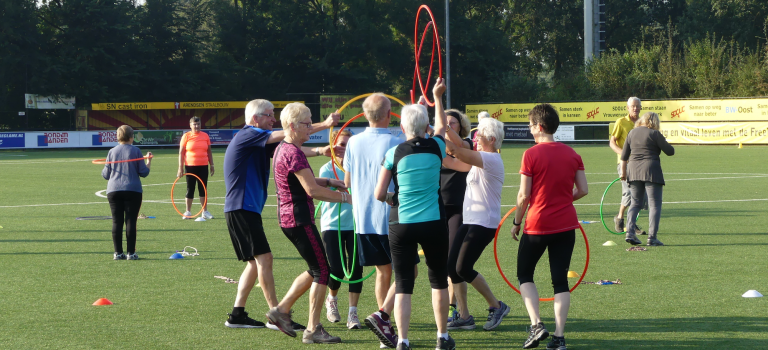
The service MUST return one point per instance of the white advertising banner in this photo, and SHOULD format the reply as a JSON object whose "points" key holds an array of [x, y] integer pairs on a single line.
{"points": [[34, 101]]}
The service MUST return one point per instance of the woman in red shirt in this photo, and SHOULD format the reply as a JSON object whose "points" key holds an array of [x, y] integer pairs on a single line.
{"points": [[195, 153], [548, 174]]}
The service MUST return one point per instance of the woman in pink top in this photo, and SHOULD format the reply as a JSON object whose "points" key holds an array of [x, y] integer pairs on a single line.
{"points": [[195, 153], [548, 174]]}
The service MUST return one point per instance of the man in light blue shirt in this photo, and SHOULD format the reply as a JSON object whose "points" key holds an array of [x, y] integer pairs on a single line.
{"points": [[362, 163]]}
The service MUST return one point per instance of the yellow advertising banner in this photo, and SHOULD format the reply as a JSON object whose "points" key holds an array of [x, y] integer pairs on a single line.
{"points": [[716, 133], [669, 110], [331, 103], [122, 106]]}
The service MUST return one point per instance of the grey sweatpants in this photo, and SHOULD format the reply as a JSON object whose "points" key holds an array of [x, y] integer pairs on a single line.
{"points": [[640, 189]]}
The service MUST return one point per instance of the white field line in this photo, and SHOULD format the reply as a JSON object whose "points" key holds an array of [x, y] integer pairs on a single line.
{"points": [[35, 161], [668, 180]]}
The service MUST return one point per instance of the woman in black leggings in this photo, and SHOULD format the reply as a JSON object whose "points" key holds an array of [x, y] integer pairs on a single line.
{"points": [[548, 174], [124, 190]]}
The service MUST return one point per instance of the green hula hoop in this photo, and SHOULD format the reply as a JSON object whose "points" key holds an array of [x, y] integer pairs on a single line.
{"points": [[341, 256], [602, 218]]}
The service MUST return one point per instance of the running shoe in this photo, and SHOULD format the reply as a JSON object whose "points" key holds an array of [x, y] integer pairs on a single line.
{"points": [[332, 310], [618, 224], [187, 215], [352, 321], [382, 329], [296, 326], [118, 256], [242, 321], [495, 316], [133, 256], [282, 321], [631, 238], [445, 344], [402, 346], [654, 242], [460, 323], [207, 215], [319, 336], [536, 334], [454, 313], [557, 343]]}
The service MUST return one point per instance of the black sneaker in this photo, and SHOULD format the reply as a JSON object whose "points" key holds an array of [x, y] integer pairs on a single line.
{"points": [[536, 334], [557, 343], [632, 239], [445, 344], [402, 346], [296, 326], [242, 321]]}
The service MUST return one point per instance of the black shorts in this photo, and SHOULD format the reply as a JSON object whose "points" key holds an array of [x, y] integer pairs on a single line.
{"points": [[307, 241], [202, 172], [247, 234], [373, 250], [405, 239], [560, 249]]}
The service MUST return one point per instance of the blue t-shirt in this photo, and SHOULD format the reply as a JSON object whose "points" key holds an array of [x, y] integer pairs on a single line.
{"points": [[415, 167], [363, 157], [246, 169], [330, 217]]}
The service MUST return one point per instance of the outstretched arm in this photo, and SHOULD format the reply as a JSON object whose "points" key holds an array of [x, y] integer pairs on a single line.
{"points": [[441, 124]]}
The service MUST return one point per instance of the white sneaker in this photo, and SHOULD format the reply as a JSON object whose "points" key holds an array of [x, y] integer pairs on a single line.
{"points": [[332, 310], [200, 219], [352, 321], [186, 215], [207, 215]]}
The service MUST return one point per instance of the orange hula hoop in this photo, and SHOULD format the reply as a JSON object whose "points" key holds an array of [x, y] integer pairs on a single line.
{"points": [[204, 202], [104, 161], [333, 142], [496, 256], [417, 53]]}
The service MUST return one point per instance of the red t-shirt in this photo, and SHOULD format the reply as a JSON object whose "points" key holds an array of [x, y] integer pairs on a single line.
{"points": [[552, 166], [197, 148]]}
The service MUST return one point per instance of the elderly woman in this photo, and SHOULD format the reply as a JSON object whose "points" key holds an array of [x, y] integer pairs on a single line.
{"points": [[296, 187], [641, 168], [481, 217], [548, 173], [417, 215], [337, 224], [124, 190], [194, 158]]}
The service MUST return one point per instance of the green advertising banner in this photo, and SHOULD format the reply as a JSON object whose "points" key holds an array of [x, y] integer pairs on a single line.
{"points": [[331, 103], [157, 137]]}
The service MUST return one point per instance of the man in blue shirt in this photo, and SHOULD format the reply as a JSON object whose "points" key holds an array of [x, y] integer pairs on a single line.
{"points": [[246, 176]]}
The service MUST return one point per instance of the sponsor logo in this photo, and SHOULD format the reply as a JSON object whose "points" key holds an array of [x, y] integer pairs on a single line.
{"points": [[593, 113], [676, 113]]}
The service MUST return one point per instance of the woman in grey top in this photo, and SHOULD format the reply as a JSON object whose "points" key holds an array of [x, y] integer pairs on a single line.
{"points": [[124, 190], [641, 167]]}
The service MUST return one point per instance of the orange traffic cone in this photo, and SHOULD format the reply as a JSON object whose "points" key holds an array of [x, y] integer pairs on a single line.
{"points": [[102, 301]]}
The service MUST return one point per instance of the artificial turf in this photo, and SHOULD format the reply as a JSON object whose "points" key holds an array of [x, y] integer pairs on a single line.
{"points": [[686, 294]]}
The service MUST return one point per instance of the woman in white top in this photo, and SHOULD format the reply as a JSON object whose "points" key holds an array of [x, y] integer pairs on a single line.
{"points": [[482, 213]]}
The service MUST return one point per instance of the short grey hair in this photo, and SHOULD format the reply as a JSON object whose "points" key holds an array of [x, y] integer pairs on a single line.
{"points": [[414, 120], [482, 115], [633, 98], [255, 107], [294, 113], [650, 120], [376, 107], [493, 128]]}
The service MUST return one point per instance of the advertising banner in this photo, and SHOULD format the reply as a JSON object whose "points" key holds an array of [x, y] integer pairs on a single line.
{"points": [[523, 133], [56, 139], [12, 140], [99, 139], [115, 106], [716, 133], [222, 136], [670, 110], [34, 101], [331, 103], [157, 137]]}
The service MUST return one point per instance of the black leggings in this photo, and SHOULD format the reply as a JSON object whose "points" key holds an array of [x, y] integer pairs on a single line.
{"points": [[125, 207], [466, 248], [454, 215], [404, 240], [331, 240], [202, 172], [560, 246], [307, 241]]}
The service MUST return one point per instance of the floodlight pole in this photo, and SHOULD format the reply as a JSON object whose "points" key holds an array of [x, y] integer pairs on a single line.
{"points": [[447, 58]]}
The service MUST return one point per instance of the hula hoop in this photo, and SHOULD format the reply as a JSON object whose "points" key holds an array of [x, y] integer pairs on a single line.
{"points": [[104, 161], [602, 219], [354, 251], [417, 53], [333, 142], [496, 256], [204, 202]]}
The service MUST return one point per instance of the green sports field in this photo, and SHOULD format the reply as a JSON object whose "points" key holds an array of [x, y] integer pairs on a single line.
{"points": [[685, 295]]}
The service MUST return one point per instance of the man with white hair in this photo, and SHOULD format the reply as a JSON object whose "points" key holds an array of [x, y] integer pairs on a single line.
{"points": [[246, 177], [618, 135], [362, 163]]}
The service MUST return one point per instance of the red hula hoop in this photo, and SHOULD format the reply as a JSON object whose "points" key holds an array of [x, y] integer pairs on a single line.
{"points": [[417, 53], [333, 142], [496, 256], [204, 202], [104, 161]]}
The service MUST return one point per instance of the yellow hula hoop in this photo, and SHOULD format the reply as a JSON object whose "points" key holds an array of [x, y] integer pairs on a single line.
{"points": [[330, 142]]}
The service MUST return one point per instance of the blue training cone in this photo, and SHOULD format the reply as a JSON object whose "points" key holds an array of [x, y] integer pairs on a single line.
{"points": [[176, 256]]}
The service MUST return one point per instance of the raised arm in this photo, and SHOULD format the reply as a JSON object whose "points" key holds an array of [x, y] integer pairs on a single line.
{"points": [[464, 155], [441, 123], [332, 120]]}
